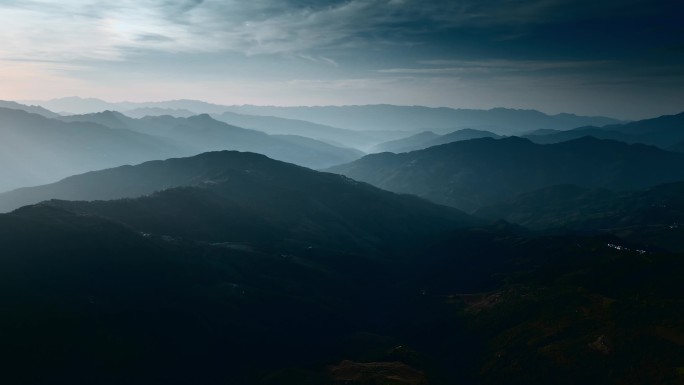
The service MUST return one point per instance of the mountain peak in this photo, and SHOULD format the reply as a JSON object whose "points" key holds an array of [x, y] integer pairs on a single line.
{"points": [[202, 117], [111, 113]]}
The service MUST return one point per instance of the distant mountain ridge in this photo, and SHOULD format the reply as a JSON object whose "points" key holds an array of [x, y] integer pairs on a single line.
{"points": [[279, 126], [665, 132], [428, 139], [30, 109], [202, 133], [282, 126], [502, 121], [475, 173], [36, 150], [77, 105]]}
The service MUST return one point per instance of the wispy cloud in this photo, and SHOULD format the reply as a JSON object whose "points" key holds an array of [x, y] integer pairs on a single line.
{"points": [[495, 67], [72, 29]]}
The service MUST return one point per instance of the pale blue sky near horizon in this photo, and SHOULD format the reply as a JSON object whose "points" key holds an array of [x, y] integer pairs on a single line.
{"points": [[623, 59]]}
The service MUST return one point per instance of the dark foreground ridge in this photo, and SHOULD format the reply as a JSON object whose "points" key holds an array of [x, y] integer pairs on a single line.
{"points": [[270, 273]]}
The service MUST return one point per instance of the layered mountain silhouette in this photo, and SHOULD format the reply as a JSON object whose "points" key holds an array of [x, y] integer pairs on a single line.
{"points": [[232, 267], [281, 126], [277, 126], [428, 139], [36, 150], [76, 105], [243, 188], [362, 118], [31, 109], [665, 132], [202, 133], [416, 118], [480, 172], [256, 264]]}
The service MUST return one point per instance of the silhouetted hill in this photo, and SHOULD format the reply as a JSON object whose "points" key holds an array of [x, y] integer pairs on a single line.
{"points": [[120, 182], [581, 132], [124, 182], [480, 172], [663, 125], [464, 134], [652, 217], [250, 198], [202, 133], [36, 150], [665, 132], [428, 139], [108, 118], [263, 267]]}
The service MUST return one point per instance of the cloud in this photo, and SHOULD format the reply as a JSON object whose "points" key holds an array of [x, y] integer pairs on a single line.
{"points": [[70, 30], [319, 59], [75, 30], [103, 30], [496, 67]]}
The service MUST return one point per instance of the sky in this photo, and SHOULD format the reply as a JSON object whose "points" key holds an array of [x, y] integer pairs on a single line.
{"points": [[619, 58]]}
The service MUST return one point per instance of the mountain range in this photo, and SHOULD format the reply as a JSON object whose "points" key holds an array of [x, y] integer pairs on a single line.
{"points": [[665, 131], [31, 109], [428, 139], [337, 136], [37, 150], [253, 279], [502, 121], [480, 172], [360, 118], [233, 267], [202, 133]]}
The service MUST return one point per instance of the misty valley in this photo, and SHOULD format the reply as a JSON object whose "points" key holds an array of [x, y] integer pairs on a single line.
{"points": [[184, 242]]}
